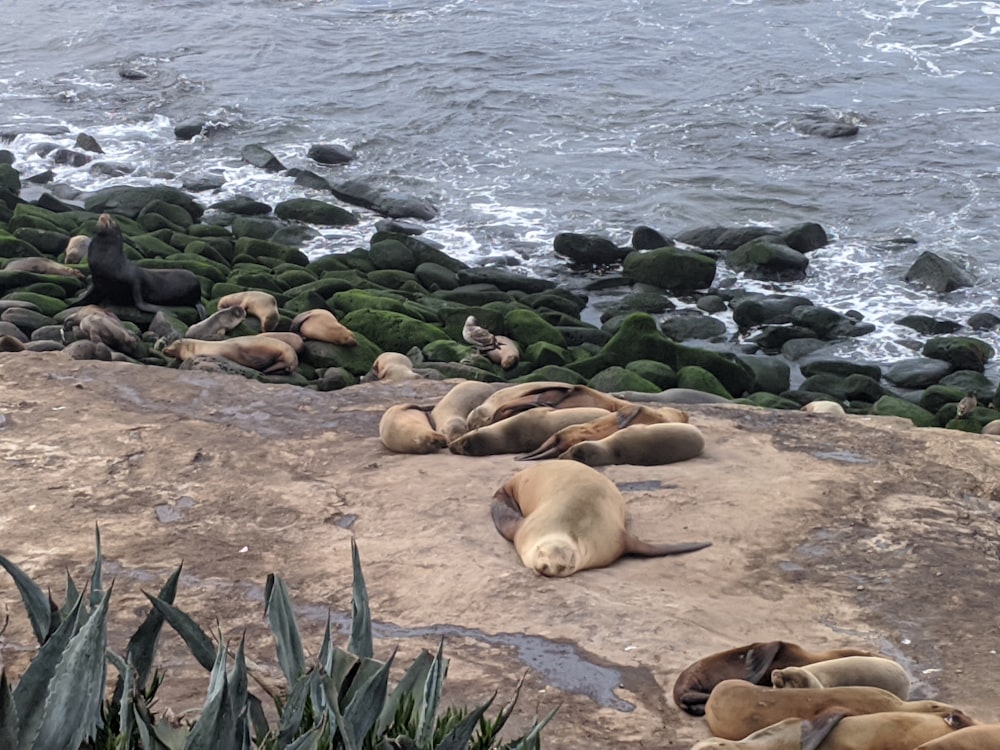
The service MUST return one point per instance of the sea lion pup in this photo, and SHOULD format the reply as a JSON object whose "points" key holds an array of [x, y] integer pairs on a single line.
{"points": [[506, 354], [292, 339], [753, 663], [105, 327], [116, 279], [482, 415], [566, 517], [76, 248], [563, 397], [10, 344], [449, 414], [790, 734], [217, 325], [520, 433], [991, 428], [603, 427], [264, 353], [873, 671], [392, 367], [322, 325], [737, 708], [824, 407], [982, 737], [406, 428], [261, 305], [641, 445], [42, 265]]}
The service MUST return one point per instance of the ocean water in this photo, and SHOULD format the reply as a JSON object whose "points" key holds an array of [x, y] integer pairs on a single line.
{"points": [[519, 120]]}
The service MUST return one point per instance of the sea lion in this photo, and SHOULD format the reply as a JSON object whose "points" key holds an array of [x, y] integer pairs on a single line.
{"points": [[43, 265], [674, 396], [824, 407], [603, 427], [642, 445], [10, 344], [562, 397], [292, 339], [833, 730], [967, 404], [406, 428], [105, 327], [217, 325], [117, 280], [506, 354], [482, 415], [481, 338], [322, 325], [520, 433], [991, 428], [449, 414], [261, 305], [76, 248], [566, 517], [737, 708], [753, 663], [264, 353], [982, 737], [393, 367], [873, 671]]}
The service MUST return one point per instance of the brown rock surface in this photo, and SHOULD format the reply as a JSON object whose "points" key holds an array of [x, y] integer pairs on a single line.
{"points": [[828, 532]]}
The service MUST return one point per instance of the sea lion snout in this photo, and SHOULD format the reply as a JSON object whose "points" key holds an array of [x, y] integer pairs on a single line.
{"points": [[105, 223], [554, 560]]}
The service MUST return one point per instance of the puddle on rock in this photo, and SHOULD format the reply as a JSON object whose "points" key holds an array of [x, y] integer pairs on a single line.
{"points": [[173, 512], [647, 486], [845, 457]]}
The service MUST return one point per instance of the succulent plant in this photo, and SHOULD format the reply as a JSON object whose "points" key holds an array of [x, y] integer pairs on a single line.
{"points": [[341, 701]]}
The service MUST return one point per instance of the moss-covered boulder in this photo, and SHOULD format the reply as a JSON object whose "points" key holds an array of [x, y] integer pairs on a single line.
{"points": [[474, 295], [393, 279], [265, 249], [356, 360], [552, 372], [638, 337], [769, 400], [356, 299], [700, 379], [970, 380], [621, 379], [961, 352], [768, 258], [504, 280], [584, 334], [736, 377], [12, 247], [445, 350], [43, 240], [936, 396], [670, 268], [392, 331], [47, 306], [771, 374], [130, 201], [527, 327], [662, 375], [893, 406], [542, 353], [434, 276], [314, 211]]}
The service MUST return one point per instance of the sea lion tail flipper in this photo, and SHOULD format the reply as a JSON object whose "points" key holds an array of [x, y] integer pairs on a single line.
{"points": [[627, 414], [693, 702], [635, 546], [759, 660], [815, 731], [507, 516], [549, 449]]}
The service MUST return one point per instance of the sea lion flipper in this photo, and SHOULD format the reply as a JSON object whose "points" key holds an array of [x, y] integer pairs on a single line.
{"points": [[814, 731], [549, 449], [635, 546], [626, 415], [507, 516], [759, 659]]}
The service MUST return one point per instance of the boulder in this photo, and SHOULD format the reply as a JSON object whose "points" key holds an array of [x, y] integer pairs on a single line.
{"points": [[392, 331], [686, 325], [929, 326], [722, 238], [700, 379], [330, 153], [840, 367], [504, 280], [670, 268], [388, 203], [892, 406], [647, 238], [588, 250], [768, 258], [260, 157], [918, 372], [771, 375], [938, 273], [527, 327], [663, 376], [616, 378], [130, 201], [752, 310], [961, 352], [314, 211], [357, 359]]}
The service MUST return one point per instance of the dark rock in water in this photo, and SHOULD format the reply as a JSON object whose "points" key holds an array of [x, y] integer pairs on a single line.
{"points": [[307, 179], [294, 236], [10, 179], [691, 324], [42, 178], [840, 367], [6, 157], [938, 273], [392, 204], [588, 250], [203, 182], [805, 237], [504, 280], [722, 238], [825, 129], [314, 211], [259, 156], [796, 349], [773, 337], [670, 268], [111, 168], [185, 131], [330, 153], [983, 321], [70, 157], [648, 302], [929, 326], [242, 205], [403, 227], [962, 352], [129, 201], [131, 73], [711, 303], [822, 320], [752, 310], [647, 238], [917, 373], [768, 258], [88, 143]]}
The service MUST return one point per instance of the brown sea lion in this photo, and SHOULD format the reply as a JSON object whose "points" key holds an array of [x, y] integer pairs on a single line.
{"points": [[406, 428], [562, 397], [107, 328], [217, 325], [393, 367], [753, 663], [566, 517], [322, 325], [450, 413], [505, 353], [117, 280], [482, 415], [642, 445], [42, 265], [10, 344], [264, 353], [292, 339], [982, 737], [76, 248], [261, 305], [520, 433], [872, 671], [824, 407], [737, 708], [789, 734]]}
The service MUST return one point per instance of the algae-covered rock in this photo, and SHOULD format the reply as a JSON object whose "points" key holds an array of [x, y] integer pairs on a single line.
{"points": [[962, 352], [638, 337], [658, 373], [355, 299], [43, 240], [736, 377], [504, 280], [587, 250], [434, 276], [700, 379], [552, 372], [445, 370], [12, 247], [392, 331], [392, 254], [768, 258], [542, 353], [527, 327], [265, 249], [620, 379], [917, 372], [670, 268], [771, 375], [560, 300], [357, 359], [970, 380], [687, 325], [936, 396], [445, 350], [769, 400], [841, 367], [47, 306], [894, 406], [393, 279], [752, 310], [130, 201]]}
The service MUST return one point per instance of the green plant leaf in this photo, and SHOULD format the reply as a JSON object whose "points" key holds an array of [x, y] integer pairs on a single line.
{"points": [[309, 740], [8, 715], [415, 675], [71, 594], [347, 738], [96, 585], [201, 645], [73, 707], [345, 666], [294, 709], [238, 697], [326, 649], [126, 719], [458, 738], [216, 727], [29, 695], [431, 698], [361, 616], [141, 648], [531, 741], [365, 706], [36, 601], [278, 607], [258, 719]]}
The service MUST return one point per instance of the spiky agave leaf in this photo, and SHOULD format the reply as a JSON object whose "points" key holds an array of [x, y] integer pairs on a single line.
{"points": [[96, 584], [311, 739], [278, 607], [216, 727], [36, 601], [458, 738], [8, 715], [73, 707], [326, 649], [365, 704], [532, 741], [200, 644], [431, 697], [293, 711], [413, 679], [141, 648], [361, 616], [71, 594], [239, 697]]}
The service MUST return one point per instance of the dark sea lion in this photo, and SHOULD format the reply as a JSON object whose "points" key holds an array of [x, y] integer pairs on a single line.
{"points": [[117, 280], [10, 344], [406, 428], [753, 663], [737, 708], [982, 737], [261, 305], [873, 671], [566, 517], [217, 325], [520, 433], [264, 353], [43, 265], [322, 325], [674, 396], [450, 413]]}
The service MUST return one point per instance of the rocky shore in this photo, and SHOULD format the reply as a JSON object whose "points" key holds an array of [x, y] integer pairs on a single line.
{"points": [[405, 294]]}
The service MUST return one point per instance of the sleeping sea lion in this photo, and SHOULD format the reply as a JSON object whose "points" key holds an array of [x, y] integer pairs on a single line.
{"points": [[991, 428], [520, 433], [42, 265], [562, 397], [982, 737], [450, 413], [566, 517], [737, 708], [505, 353], [117, 280], [393, 367], [322, 325], [76, 248], [482, 415], [824, 407], [264, 353], [753, 663], [642, 445], [406, 428], [789, 734], [107, 328], [261, 305], [217, 325], [292, 339], [873, 671], [10, 344]]}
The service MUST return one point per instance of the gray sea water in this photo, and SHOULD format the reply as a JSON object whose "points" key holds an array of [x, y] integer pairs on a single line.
{"points": [[523, 119]]}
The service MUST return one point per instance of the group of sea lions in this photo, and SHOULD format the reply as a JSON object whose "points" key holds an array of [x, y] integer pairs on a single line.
{"points": [[780, 696]]}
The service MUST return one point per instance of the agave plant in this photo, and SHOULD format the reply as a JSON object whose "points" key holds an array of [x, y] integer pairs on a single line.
{"points": [[342, 700]]}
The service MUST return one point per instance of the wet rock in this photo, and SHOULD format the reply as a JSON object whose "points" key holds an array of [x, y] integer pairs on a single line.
{"points": [[647, 238], [588, 250], [961, 352], [983, 321], [824, 128], [768, 258], [402, 227], [773, 337], [261, 158], [691, 324], [130, 201], [526, 327], [88, 143], [938, 273], [805, 237], [771, 374], [893, 406], [330, 153], [504, 280], [202, 182], [111, 168], [670, 268], [752, 310], [6, 157], [919, 372], [621, 379], [388, 203], [722, 238], [928, 326], [840, 367], [314, 211], [699, 379], [70, 157]]}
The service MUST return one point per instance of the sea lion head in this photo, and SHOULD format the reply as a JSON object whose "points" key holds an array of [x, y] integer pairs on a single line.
{"points": [[957, 719], [793, 677], [553, 556], [173, 348]]}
